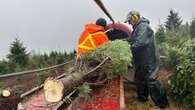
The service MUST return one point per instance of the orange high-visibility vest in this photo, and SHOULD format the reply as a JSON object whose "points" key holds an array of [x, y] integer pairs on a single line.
{"points": [[92, 37]]}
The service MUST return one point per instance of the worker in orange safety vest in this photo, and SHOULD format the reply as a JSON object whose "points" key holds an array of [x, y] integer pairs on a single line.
{"points": [[92, 37]]}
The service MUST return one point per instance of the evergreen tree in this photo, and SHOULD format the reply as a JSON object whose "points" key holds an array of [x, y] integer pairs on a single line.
{"points": [[173, 21], [37, 61], [185, 30], [192, 28], [4, 67], [160, 35], [60, 58], [18, 54], [65, 54], [52, 58], [45, 57]]}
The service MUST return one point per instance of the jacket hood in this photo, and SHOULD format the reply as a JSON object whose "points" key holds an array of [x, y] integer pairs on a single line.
{"points": [[91, 28], [142, 20]]}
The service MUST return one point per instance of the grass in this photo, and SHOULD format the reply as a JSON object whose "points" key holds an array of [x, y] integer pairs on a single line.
{"points": [[133, 104]]}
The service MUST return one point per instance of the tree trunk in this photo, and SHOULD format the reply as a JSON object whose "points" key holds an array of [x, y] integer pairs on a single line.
{"points": [[56, 89]]}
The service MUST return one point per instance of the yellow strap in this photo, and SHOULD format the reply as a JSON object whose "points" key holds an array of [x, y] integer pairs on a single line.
{"points": [[89, 37]]}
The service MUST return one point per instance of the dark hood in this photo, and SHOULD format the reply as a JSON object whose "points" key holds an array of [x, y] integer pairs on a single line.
{"points": [[142, 20], [92, 28]]}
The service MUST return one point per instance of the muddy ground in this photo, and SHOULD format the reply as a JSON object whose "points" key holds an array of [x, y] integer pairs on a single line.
{"points": [[133, 104], [130, 96]]}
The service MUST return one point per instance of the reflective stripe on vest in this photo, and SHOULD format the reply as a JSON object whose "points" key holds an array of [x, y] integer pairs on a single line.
{"points": [[90, 38]]}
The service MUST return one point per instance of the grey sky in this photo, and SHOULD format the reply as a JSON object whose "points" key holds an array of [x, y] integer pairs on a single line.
{"points": [[45, 25]]}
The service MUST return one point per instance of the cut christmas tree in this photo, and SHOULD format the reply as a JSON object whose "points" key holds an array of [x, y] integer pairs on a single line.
{"points": [[95, 67]]}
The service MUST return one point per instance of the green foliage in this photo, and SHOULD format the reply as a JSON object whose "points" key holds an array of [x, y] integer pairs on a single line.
{"points": [[176, 38], [18, 54], [160, 35], [70, 55], [84, 90], [175, 51], [19, 68], [2, 85], [60, 58], [192, 28], [170, 42], [173, 21], [56, 57], [35, 61], [52, 57], [38, 61], [4, 68], [119, 53], [172, 57], [17, 59], [176, 44], [182, 85]]}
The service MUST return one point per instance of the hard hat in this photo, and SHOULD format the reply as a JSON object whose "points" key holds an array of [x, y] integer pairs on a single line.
{"points": [[133, 17], [101, 22]]}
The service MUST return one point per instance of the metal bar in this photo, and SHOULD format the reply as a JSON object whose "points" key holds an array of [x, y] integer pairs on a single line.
{"points": [[31, 91], [65, 100], [34, 71], [38, 87], [122, 97]]}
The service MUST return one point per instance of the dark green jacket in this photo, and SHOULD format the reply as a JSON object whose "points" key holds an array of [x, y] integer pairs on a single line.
{"points": [[143, 46]]}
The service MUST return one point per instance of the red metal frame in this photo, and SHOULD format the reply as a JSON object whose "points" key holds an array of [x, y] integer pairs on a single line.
{"points": [[109, 97]]}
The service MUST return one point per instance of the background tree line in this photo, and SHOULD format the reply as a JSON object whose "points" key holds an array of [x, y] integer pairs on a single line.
{"points": [[176, 41], [19, 59]]}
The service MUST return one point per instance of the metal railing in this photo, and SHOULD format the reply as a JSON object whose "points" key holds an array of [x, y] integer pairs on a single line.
{"points": [[36, 70]]}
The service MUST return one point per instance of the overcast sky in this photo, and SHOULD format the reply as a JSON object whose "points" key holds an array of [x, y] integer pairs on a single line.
{"points": [[45, 25]]}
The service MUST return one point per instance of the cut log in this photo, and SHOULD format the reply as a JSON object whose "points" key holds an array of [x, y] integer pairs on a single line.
{"points": [[38, 87], [54, 90], [6, 93]]}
